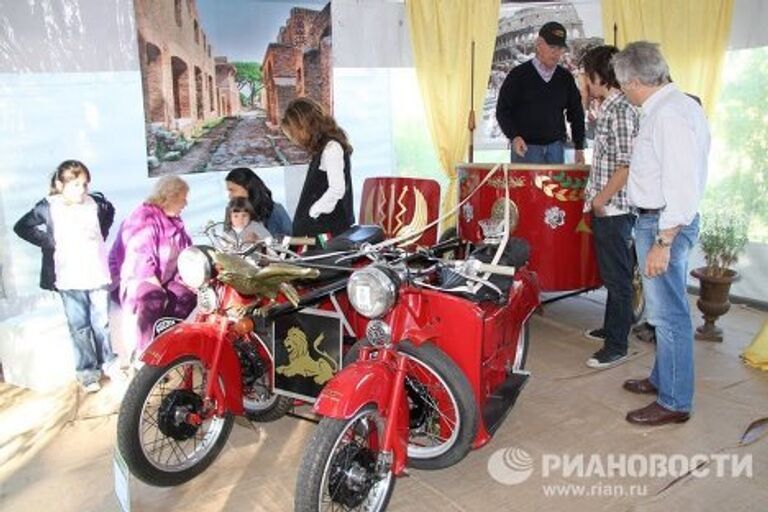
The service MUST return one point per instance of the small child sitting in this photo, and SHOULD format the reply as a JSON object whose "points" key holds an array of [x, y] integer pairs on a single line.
{"points": [[239, 223]]}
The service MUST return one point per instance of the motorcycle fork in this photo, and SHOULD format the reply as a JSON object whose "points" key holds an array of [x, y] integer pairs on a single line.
{"points": [[214, 396], [395, 450]]}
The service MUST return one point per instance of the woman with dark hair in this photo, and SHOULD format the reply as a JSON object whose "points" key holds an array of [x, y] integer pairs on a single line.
{"points": [[325, 205], [243, 182]]}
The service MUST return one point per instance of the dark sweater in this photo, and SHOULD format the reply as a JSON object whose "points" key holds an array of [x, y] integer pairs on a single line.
{"points": [[315, 185], [533, 109], [36, 227]]}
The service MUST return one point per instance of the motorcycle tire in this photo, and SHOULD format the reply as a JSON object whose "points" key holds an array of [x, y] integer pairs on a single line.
{"points": [[130, 428], [457, 384], [522, 354], [274, 412], [324, 450]]}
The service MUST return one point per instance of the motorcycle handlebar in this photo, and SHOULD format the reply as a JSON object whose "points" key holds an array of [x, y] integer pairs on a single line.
{"points": [[503, 270]]}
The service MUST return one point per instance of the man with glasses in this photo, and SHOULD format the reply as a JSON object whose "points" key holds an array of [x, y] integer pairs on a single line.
{"points": [[533, 99]]}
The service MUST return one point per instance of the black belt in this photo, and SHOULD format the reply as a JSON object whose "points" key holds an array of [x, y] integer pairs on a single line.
{"points": [[648, 211]]}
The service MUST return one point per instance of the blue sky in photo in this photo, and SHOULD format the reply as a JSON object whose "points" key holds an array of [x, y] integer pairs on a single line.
{"points": [[242, 29]]}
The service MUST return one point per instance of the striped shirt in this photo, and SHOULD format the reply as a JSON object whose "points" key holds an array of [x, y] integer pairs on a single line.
{"points": [[617, 127]]}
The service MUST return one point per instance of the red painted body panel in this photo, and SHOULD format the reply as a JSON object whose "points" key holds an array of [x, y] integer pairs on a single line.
{"points": [[481, 338]]}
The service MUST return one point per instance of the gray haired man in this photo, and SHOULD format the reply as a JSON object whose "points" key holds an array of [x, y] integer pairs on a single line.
{"points": [[667, 175]]}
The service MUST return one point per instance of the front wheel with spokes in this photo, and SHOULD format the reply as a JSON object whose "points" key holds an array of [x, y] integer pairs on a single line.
{"points": [[343, 467], [443, 418], [163, 431]]}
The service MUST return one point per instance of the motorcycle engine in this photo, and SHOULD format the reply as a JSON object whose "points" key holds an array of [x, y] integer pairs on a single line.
{"points": [[252, 368]]}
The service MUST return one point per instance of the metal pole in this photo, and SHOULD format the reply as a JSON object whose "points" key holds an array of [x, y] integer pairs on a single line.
{"points": [[471, 120]]}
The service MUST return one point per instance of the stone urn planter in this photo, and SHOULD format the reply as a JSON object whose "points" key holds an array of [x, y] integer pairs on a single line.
{"points": [[713, 300], [723, 237]]}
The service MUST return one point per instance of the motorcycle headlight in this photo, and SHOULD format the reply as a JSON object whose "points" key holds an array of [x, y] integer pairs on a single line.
{"points": [[194, 267], [372, 291]]}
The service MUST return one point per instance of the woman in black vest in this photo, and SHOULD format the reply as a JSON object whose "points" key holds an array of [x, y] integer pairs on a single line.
{"points": [[325, 204]]}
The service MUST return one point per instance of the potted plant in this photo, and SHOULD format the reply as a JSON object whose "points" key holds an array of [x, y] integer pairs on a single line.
{"points": [[722, 239]]}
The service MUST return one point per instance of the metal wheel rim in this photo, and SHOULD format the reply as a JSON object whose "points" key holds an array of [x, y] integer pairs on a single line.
{"points": [[378, 494], [257, 404], [416, 451], [159, 449], [517, 365]]}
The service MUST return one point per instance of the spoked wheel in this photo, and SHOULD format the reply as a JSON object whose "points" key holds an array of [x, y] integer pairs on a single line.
{"points": [[261, 404], [162, 429], [260, 401], [342, 468], [443, 417]]}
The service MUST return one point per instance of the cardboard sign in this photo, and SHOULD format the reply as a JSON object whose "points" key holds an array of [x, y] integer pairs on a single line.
{"points": [[307, 351]]}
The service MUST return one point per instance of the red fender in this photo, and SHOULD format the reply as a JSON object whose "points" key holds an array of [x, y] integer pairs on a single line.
{"points": [[360, 384], [199, 340]]}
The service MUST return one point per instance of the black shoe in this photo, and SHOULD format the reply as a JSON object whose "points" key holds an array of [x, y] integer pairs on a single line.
{"points": [[595, 334], [606, 359]]}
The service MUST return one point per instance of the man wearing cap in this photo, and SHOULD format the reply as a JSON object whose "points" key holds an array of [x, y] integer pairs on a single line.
{"points": [[534, 97]]}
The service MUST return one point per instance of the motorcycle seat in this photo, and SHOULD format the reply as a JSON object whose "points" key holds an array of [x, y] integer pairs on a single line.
{"points": [[516, 254], [355, 237], [350, 240]]}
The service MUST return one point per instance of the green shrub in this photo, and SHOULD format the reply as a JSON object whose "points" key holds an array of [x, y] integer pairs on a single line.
{"points": [[722, 239]]}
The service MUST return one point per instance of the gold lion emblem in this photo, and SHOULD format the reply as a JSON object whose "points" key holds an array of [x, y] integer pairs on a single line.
{"points": [[300, 362]]}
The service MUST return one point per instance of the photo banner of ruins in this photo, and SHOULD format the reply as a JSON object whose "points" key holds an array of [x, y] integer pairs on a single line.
{"points": [[519, 25], [217, 76]]}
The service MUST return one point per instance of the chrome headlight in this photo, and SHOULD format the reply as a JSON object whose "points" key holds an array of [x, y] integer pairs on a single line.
{"points": [[194, 267], [372, 291]]}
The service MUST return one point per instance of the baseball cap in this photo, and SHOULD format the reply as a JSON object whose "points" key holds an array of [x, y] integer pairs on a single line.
{"points": [[553, 33]]}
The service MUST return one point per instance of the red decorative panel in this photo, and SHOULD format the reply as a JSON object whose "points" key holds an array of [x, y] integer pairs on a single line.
{"points": [[401, 206], [548, 202]]}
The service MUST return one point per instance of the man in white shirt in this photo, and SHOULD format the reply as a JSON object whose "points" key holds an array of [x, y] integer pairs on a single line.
{"points": [[667, 176]]}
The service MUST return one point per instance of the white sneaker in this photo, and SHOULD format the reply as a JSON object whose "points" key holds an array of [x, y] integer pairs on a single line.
{"points": [[92, 387]]}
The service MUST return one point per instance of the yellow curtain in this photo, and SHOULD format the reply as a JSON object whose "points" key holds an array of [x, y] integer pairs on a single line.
{"points": [[442, 32], [693, 35]]}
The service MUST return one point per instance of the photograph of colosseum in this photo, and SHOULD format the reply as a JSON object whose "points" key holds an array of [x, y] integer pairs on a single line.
{"points": [[519, 25], [217, 76]]}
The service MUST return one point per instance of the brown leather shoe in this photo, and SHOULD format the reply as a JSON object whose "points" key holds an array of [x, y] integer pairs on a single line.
{"points": [[656, 414], [640, 386]]}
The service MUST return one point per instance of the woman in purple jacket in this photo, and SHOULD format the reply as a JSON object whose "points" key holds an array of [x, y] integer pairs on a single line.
{"points": [[143, 260]]}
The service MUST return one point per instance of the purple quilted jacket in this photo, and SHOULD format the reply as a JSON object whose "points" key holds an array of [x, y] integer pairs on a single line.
{"points": [[148, 244]]}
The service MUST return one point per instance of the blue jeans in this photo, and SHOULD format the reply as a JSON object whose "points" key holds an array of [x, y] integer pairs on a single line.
{"points": [[667, 308], [553, 153], [612, 237], [87, 314]]}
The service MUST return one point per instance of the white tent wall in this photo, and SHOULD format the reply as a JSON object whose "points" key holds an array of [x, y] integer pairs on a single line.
{"points": [[59, 99]]}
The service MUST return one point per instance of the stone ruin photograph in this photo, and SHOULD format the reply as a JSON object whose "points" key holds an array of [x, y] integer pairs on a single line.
{"points": [[217, 76]]}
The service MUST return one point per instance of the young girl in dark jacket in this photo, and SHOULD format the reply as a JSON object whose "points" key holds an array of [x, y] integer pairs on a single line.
{"points": [[70, 226]]}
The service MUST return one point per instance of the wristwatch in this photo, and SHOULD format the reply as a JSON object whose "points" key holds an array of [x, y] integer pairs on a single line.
{"points": [[661, 242]]}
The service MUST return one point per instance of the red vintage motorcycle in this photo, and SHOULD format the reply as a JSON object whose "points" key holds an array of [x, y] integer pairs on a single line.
{"points": [[178, 410], [441, 366]]}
